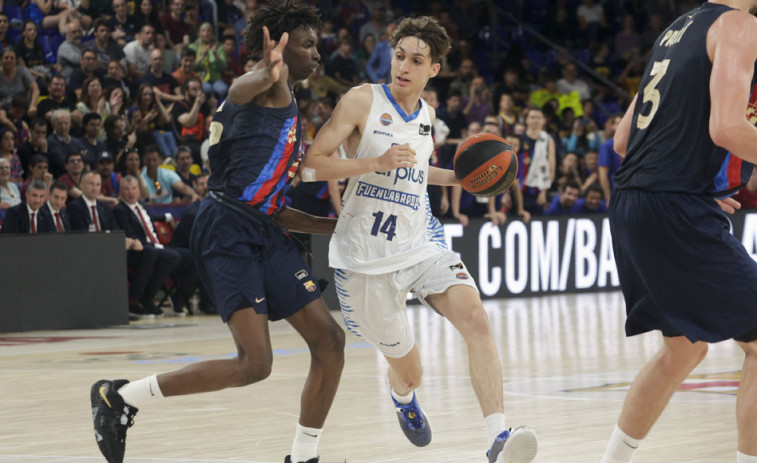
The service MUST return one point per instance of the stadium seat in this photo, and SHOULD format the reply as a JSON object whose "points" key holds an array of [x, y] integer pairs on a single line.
{"points": [[15, 16]]}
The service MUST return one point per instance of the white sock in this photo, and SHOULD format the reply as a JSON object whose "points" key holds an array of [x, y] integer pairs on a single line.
{"points": [[305, 446], [744, 458], [137, 393], [621, 447], [495, 424], [403, 399]]}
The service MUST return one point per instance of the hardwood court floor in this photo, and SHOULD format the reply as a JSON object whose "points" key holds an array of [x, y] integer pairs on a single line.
{"points": [[566, 368]]}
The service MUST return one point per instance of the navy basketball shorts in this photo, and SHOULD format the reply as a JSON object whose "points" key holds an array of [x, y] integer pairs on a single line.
{"points": [[245, 265], [681, 270]]}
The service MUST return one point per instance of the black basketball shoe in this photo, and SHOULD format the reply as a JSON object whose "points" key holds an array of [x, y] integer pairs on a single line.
{"points": [[288, 459], [112, 417]]}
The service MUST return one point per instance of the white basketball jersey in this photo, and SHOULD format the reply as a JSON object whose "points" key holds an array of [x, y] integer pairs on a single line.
{"points": [[386, 222]]}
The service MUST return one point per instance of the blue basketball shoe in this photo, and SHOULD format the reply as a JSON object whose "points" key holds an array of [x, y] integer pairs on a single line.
{"points": [[413, 422], [517, 445]]}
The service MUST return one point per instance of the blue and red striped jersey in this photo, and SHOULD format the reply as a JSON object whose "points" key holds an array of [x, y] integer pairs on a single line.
{"points": [[254, 153]]}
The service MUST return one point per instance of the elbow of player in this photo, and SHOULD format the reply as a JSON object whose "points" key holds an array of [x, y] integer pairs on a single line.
{"points": [[308, 174], [620, 146], [724, 133]]}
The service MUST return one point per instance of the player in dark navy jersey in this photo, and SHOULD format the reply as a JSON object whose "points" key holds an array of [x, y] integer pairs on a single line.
{"points": [[689, 141], [248, 262]]}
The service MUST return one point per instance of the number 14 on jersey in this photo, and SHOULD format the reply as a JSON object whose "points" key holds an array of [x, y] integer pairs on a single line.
{"points": [[386, 227]]}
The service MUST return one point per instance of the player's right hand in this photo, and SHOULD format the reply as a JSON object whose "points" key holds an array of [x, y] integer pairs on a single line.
{"points": [[729, 205], [397, 156], [273, 54]]}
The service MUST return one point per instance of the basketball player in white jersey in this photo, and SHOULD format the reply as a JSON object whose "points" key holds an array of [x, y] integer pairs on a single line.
{"points": [[387, 243]]}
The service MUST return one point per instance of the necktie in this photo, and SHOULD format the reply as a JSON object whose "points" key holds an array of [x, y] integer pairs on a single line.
{"points": [[57, 222], [150, 236], [94, 218], [33, 225]]}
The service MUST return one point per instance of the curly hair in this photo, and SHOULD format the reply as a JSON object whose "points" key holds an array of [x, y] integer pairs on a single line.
{"points": [[279, 17], [427, 29]]}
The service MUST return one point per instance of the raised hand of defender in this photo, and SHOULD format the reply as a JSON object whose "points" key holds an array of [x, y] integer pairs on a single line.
{"points": [[273, 54], [397, 156]]}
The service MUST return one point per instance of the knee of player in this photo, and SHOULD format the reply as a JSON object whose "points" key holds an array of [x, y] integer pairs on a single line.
{"points": [[254, 371], [681, 353], [475, 321], [750, 349], [410, 377], [414, 380], [338, 341], [330, 344]]}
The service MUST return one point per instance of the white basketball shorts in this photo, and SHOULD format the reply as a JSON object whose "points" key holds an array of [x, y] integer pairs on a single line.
{"points": [[373, 306]]}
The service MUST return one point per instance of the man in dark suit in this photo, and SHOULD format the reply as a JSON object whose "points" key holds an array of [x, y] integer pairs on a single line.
{"points": [[30, 216], [134, 218], [86, 212], [56, 204]]}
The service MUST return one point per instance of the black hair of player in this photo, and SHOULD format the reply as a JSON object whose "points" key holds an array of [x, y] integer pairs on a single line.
{"points": [[279, 17]]}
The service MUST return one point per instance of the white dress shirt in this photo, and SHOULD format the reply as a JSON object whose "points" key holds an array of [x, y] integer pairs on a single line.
{"points": [[147, 222], [91, 204]]}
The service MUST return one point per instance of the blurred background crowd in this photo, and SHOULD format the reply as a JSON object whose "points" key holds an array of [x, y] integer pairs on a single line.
{"points": [[107, 104]]}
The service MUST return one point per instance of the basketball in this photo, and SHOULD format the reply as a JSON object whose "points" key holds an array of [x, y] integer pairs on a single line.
{"points": [[485, 165]]}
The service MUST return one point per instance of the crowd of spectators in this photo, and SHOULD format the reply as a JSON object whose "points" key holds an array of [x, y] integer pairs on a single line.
{"points": [[555, 83], [121, 95]]}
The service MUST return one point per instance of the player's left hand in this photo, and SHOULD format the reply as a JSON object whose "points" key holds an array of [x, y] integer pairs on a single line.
{"points": [[729, 205], [273, 54]]}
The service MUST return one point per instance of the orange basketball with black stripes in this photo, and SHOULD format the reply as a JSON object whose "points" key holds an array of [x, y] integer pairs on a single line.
{"points": [[485, 164]]}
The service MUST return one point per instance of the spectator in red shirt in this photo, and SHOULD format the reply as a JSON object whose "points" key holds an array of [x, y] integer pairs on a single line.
{"points": [[191, 115], [178, 32]]}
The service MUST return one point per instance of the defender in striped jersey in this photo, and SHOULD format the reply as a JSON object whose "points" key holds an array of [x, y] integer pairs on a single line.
{"points": [[248, 262]]}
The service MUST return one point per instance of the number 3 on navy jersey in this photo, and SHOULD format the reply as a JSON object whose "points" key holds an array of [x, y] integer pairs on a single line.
{"points": [[388, 226], [651, 94]]}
